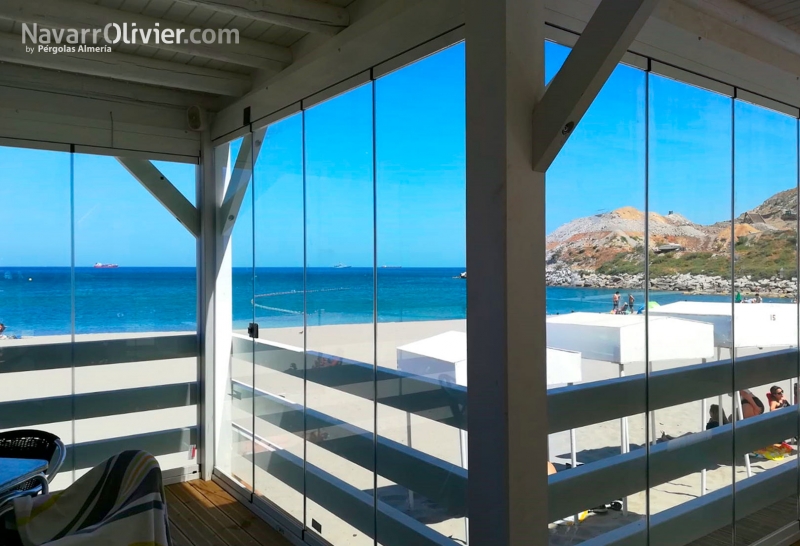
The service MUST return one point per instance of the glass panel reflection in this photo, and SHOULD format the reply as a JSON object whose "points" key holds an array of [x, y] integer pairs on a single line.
{"points": [[339, 334], [421, 255], [36, 295], [135, 297], [595, 273], [690, 175], [764, 237], [279, 303]]}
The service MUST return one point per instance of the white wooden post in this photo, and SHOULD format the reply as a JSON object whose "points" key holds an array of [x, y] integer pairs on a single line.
{"points": [[506, 329]]}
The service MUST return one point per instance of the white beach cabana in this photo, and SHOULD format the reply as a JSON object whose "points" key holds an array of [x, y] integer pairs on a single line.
{"points": [[444, 357], [620, 339], [757, 324], [739, 326]]}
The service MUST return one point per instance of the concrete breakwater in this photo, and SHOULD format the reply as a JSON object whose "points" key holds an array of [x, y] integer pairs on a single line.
{"points": [[683, 282]]}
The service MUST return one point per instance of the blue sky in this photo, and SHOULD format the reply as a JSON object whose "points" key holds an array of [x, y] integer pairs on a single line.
{"points": [[419, 168], [602, 166]]}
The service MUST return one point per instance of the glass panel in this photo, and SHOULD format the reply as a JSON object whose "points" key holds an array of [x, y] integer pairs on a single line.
{"points": [[340, 318], [234, 448], [135, 293], [765, 247], [36, 295], [421, 254], [279, 298], [595, 274], [690, 304]]}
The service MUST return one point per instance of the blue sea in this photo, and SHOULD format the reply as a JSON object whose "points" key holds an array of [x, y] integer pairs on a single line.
{"points": [[38, 301]]}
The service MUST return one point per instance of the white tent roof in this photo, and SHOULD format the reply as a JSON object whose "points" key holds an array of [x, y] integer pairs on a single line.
{"points": [[449, 347], [756, 325], [621, 338], [447, 354]]}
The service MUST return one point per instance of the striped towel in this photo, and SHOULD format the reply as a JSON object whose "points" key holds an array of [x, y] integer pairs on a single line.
{"points": [[119, 502]]}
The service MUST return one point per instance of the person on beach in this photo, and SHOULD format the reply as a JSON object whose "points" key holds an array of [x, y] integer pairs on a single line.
{"points": [[758, 299], [751, 405], [3, 329], [777, 399], [738, 297], [631, 301], [713, 417], [615, 301]]}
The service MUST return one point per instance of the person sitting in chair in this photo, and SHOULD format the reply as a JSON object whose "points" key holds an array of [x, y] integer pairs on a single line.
{"points": [[776, 398]]}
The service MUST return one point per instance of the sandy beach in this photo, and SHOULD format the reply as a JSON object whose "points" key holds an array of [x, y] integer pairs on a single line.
{"points": [[593, 443]]}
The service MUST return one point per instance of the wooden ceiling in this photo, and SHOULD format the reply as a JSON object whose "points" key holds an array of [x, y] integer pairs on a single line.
{"points": [[268, 31], [785, 12]]}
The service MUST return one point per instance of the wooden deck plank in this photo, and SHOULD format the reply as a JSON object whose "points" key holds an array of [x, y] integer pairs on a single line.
{"points": [[255, 526], [225, 527], [178, 538], [203, 514], [755, 526], [198, 533]]}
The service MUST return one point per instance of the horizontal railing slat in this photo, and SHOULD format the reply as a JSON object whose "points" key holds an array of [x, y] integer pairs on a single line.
{"points": [[50, 356], [352, 505], [164, 442], [40, 411], [600, 401], [438, 401], [622, 475], [697, 518], [437, 480]]}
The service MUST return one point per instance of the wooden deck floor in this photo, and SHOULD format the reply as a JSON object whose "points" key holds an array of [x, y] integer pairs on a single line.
{"points": [[203, 514], [754, 527]]}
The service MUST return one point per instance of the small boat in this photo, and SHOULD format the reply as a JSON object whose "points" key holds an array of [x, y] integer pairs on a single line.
{"points": [[463, 275], [391, 267], [341, 266], [98, 265]]}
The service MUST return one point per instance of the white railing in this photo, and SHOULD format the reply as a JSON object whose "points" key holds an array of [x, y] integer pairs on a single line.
{"points": [[569, 408], [103, 394]]}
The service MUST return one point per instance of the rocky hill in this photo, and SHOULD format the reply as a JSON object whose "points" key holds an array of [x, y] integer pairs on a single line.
{"points": [[613, 243]]}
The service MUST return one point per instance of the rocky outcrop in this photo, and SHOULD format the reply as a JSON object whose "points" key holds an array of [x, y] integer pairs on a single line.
{"points": [[697, 284]]}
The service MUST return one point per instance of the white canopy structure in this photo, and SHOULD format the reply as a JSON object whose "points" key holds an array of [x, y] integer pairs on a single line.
{"points": [[757, 325], [621, 338], [445, 356]]}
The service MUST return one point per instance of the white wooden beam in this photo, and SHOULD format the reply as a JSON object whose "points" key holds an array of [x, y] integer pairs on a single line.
{"points": [[121, 66], [242, 173], [165, 193], [506, 330], [208, 273], [608, 34], [691, 39], [381, 30], [74, 118], [306, 15], [91, 87], [74, 14], [749, 20]]}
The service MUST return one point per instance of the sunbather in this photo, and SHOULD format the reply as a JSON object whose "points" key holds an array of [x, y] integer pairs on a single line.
{"points": [[751, 405], [776, 398], [713, 417]]}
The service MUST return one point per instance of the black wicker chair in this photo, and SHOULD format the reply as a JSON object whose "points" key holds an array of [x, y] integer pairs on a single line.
{"points": [[32, 444]]}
